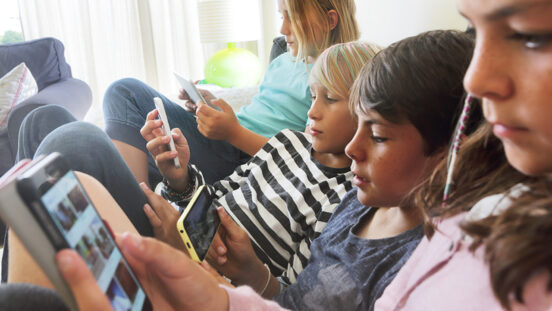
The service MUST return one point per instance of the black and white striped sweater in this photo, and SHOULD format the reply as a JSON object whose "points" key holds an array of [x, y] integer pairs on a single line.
{"points": [[283, 198]]}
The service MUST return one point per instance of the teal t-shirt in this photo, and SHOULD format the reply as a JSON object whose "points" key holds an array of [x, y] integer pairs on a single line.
{"points": [[283, 100]]}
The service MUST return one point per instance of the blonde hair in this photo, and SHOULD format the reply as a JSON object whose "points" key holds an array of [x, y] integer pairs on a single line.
{"points": [[338, 66], [305, 15]]}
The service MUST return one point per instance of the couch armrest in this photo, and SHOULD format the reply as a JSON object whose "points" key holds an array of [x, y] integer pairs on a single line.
{"points": [[72, 94]]}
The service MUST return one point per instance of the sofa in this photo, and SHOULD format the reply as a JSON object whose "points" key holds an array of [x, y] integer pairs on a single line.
{"points": [[46, 61]]}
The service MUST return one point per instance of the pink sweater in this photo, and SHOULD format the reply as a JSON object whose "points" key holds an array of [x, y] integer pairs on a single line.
{"points": [[245, 298], [443, 274]]}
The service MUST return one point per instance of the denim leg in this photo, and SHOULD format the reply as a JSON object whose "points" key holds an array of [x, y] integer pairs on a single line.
{"points": [[89, 150], [126, 105], [37, 125]]}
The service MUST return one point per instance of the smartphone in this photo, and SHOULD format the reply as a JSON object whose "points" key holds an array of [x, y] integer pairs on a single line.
{"points": [[198, 224], [166, 128], [58, 202], [192, 91]]}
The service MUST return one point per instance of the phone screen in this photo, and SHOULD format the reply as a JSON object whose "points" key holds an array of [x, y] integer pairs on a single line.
{"points": [[201, 223], [81, 226]]}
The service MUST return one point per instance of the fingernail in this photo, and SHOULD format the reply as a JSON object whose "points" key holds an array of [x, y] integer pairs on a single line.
{"points": [[65, 262], [174, 153], [220, 249], [144, 186]]}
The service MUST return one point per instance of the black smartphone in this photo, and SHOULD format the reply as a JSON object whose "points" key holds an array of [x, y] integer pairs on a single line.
{"points": [[198, 224], [69, 220]]}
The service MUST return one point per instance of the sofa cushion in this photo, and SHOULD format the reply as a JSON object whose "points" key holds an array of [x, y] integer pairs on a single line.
{"points": [[44, 58], [15, 86]]}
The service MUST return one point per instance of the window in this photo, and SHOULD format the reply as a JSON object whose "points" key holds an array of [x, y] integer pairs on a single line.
{"points": [[10, 25]]}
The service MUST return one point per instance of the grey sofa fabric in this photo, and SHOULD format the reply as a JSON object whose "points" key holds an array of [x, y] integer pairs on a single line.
{"points": [[279, 46], [20, 296], [46, 60], [44, 57]]}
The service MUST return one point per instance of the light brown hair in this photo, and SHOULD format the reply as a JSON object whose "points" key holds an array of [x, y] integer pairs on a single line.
{"points": [[306, 15]]}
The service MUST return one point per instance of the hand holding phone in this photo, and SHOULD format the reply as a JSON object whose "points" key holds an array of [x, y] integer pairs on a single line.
{"points": [[186, 287], [64, 213], [198, 224], [193, 92], [166, 128]]}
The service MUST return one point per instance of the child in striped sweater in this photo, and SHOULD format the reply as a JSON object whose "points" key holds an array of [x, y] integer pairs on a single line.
{"points": [[284, 196]]}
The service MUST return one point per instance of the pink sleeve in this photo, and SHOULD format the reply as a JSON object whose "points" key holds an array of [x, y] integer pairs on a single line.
{"points": [[244, 298]]}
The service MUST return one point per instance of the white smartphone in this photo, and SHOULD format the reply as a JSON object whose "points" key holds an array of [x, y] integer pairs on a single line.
{"points": [[166, 128], [192, 91]]}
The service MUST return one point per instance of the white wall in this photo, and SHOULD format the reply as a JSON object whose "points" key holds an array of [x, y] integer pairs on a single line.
{"points": [[386, 21]]}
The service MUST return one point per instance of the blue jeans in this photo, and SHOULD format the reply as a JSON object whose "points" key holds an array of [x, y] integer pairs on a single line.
{"points": [[87, 149], [126, 105]]}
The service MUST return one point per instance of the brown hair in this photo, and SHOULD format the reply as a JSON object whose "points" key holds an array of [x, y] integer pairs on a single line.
{"points": [[419, 80], [517, 241], [305, 15]]}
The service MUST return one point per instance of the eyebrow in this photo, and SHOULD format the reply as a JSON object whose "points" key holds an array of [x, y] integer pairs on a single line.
{"points": [[514, 9], [375, 122]]}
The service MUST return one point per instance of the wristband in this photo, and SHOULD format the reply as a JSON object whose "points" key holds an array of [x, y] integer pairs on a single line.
{"points": [[267, 280]]}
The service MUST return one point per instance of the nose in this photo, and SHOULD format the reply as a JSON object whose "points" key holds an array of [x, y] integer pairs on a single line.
{"points": [[354, 148], [285, 29], [487, 76], [314, 111]]}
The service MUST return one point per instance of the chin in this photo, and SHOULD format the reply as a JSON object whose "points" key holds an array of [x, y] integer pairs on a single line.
{"points": [[530, 166]]}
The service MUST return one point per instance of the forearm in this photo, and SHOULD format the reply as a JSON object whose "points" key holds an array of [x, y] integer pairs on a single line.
{"points": [[247, 140], [259, 277]]}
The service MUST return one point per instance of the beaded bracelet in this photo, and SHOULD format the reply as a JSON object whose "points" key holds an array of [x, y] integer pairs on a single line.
{"points": [[175, 196]]}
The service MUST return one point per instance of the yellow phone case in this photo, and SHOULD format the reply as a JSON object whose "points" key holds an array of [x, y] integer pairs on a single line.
{"points": [[182, 230]]}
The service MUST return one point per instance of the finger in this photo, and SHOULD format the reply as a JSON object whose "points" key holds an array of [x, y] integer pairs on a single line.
{"points": [[179, 138], [218, 245], [204, 110], [223, 105], [154, 219], [183, 95], [228, 223], [150, 129], [166, 156], [165, 259], [190, 106], [83, 284], [152, 115], [158, 144], [161, 207]]}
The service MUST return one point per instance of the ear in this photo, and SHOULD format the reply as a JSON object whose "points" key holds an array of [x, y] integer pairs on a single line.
{"points": [[333, 18]]}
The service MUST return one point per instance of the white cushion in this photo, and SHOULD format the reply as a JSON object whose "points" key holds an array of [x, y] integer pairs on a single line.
{"points": [[16, 86]]}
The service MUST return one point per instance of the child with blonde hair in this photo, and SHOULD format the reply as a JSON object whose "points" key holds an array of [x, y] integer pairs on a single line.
{"points": [[221, 140]]}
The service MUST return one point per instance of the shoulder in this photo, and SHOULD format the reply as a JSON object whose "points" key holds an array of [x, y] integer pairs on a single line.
{"points": [[495, 204], [349, 208], [292, 138]]}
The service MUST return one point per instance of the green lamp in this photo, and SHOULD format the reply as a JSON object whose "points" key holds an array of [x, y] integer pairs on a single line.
{"points": [[231, 21]]}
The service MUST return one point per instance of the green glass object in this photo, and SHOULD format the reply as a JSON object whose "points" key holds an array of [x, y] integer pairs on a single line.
{"points": [[233, 67]]}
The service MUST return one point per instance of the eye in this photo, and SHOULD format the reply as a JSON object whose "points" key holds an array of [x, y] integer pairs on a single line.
{"points": [[379, 139], [331, 99], [532, 41]]}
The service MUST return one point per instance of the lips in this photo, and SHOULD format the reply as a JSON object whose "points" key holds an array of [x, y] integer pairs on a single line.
{"points": [[314, 132], [507, 131], [359, 180]]}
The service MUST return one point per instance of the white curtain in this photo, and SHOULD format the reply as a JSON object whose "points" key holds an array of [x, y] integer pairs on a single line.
{"points": [[106, 40]]}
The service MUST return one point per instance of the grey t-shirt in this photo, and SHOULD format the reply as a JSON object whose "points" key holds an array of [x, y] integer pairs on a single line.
{"points": [[346, 272]]}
